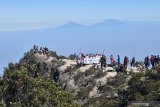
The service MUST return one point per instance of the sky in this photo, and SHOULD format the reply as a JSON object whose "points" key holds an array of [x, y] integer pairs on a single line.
{"points": [[32, 14]]}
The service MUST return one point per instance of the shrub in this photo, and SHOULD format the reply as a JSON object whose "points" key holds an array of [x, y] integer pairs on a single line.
{"points": [[73, 56], [19, 87], [78, 76], [99, 74], [90, 71]]}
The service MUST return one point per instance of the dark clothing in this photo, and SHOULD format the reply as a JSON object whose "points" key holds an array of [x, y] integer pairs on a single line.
{"points": [[157, 60], [103, 61], [126, 62], [147, 62], [118, 59], [133, 62], [153, 61]]}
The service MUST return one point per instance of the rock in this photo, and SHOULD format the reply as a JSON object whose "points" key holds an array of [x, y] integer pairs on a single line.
{"points": [[94, 93], [111, 74], [71, 85], [109, 69], [115, 95], [84, 68], [100, 82], [68, 63], [133, 69]]}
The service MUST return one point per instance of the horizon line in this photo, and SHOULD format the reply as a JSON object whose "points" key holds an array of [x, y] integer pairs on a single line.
{"points": [[36, 28]]}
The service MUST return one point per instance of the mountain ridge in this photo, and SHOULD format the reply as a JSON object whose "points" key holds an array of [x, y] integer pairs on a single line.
{"points": [[42, 77]]}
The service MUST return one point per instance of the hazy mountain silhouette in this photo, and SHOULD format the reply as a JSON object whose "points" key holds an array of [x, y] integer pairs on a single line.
{"points": [[110, 22], [71, 24]]}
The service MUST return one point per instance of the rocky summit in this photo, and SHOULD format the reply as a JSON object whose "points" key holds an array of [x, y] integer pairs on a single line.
{"points": [[57, 81]]}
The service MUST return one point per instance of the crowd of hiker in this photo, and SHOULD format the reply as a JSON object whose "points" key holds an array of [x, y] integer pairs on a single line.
{"points": [[41, 50], [153, 61], [101, 59]]}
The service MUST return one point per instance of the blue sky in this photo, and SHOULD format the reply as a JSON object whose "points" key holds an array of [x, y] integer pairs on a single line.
{"points": [[52, 13]]}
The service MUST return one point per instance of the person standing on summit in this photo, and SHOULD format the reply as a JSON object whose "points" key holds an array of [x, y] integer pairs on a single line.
{"points": [[118, 60], [133, 62], [152, 61], [147, 62], [158, 59], [112, 60], [103, 61], [126, 62]]}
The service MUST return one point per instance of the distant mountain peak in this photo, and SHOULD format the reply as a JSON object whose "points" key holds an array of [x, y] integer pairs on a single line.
{"points": [[72, 24], [110, 22]]}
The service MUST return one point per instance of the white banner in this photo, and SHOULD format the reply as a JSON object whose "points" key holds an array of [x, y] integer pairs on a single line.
{"points": [[92, 60]]}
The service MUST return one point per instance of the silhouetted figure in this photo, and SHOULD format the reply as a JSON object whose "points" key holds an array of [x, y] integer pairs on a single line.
{"points": [[126, 62], [157, 60], [133, 62], [147, 62], [34, 47], [103, 61], [118, 60], [82, 56], [152, 61]]}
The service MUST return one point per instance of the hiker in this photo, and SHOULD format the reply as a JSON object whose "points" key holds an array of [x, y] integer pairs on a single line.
{"points": [[43, 51], [120, 68], [103, 61], [157, 60], [82, 61], [35, 48], [40, 51], [126, 62], [147, 62], [133, 62], [112, 60], [118, 60], [81, 58], [152, 61]]}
